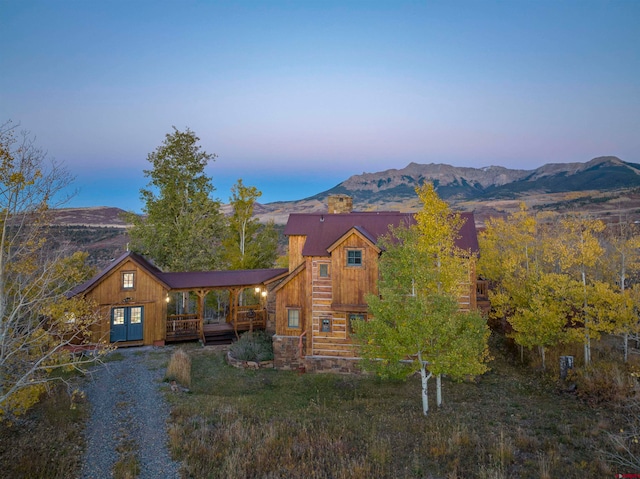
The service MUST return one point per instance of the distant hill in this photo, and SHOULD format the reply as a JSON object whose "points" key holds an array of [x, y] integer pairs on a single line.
{"points": [[100, 216], [100, 231]]}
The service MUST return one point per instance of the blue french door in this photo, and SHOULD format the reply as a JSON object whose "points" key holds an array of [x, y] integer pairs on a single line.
{"points": [[126, 323]]}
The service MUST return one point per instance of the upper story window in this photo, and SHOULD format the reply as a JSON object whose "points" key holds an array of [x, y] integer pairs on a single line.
{"points": [[128, 280], [323, 270], [354, 257]]}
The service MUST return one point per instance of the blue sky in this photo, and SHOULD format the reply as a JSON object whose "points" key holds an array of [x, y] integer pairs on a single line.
{"points": [[296, 96]]}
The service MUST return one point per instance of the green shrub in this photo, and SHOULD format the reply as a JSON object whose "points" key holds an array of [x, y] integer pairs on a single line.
{"points": [[253, 346]]}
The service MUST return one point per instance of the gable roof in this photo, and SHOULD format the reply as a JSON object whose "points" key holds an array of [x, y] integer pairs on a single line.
{"points": [[323, 230], [359, 231], [186, 280], [301, 267], [140, 260]]}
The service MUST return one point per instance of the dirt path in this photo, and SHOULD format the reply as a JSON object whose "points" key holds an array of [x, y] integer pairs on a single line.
{"points": [[129, 416]]}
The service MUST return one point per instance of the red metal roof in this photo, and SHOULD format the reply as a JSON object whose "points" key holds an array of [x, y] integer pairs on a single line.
{"points": [[220, 279], [187, 280], [323, 229]]}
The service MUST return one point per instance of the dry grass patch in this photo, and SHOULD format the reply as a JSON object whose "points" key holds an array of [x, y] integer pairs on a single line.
{"points": [[268, 423], [179, 368]]}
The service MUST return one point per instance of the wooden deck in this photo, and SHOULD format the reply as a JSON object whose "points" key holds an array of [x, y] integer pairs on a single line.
{"points": [[186, 327]]}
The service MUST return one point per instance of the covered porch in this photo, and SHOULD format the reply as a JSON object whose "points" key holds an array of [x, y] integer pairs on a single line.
{"points": [[246, 310]]}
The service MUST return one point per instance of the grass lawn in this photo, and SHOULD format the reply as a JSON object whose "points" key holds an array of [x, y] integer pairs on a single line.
{"points": [[512, 422]]}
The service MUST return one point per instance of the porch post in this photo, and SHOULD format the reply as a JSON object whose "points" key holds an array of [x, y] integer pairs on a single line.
{"points": [[201, 295], [233, 308]]}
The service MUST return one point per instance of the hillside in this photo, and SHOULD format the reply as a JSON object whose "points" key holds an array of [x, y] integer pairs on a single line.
{"points": [[100, 231]]}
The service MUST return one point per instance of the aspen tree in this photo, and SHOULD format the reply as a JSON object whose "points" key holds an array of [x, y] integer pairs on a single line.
{"points": [[542, 319], [574, 248], [247, 243], [416, 324], [37, 322], [621, 264], [510, 259]]}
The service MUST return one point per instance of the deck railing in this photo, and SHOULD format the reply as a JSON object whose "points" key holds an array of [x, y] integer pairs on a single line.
{"points": [[187, 326], [250, 317], [183, 326]]}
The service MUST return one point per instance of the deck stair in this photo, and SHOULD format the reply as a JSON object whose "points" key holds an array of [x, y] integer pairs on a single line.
{"points": [[222, 333]]}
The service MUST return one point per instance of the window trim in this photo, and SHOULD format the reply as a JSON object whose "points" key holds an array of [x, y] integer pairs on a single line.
{"points": [[289, 311], [322, 266], [351, 255], [124, 281]]}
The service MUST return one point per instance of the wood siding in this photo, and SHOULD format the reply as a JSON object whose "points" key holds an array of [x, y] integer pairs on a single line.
{"points": [[147, 292], [351, 284], [296, 244], [292, 295], [326, 302]]}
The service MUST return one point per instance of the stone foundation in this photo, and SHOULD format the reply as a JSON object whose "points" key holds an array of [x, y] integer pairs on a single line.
{"points": [[331, 364], [286, 354]]}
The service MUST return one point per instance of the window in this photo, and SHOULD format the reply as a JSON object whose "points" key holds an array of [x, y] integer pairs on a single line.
{"points": [[293, 318], [324, 270], [128, 280], [136, 315], [351, 317], [118, 316], [354, 257]]}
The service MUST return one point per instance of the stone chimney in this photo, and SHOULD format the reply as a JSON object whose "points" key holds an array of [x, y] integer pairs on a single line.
{"points": [[340, 204]]}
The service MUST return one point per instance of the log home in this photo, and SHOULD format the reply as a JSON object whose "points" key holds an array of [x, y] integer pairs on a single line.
{"points": [[333, 265]]}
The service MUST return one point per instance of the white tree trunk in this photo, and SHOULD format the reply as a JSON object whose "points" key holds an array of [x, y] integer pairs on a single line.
{"points": [[587, 350], [587, 339], [439, 390], [626, 347], [425, 378]]}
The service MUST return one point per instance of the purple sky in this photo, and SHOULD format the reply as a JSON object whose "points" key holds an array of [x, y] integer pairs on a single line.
{"points": [[297, 96]]}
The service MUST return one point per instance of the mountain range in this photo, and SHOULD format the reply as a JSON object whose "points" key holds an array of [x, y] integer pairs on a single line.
{"points": [[606, 183], [471, 189]]}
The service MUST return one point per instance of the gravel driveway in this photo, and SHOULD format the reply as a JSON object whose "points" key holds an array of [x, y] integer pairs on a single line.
{"points": [[129, 413]]}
